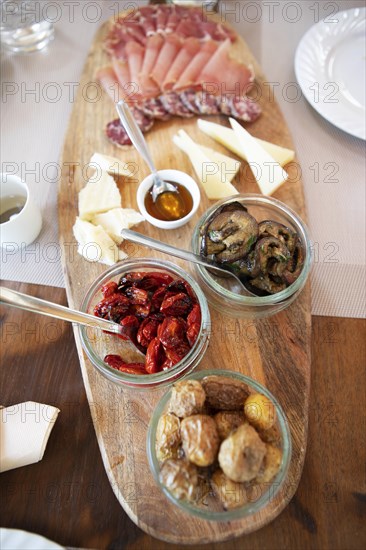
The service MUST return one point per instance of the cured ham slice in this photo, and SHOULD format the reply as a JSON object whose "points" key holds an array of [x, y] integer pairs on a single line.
{"points": [[149, 88], [189, 49], [162, 15], [222, 74], [190, 75], [131, 91], [135, 55], [165, 59], [109, 81]]}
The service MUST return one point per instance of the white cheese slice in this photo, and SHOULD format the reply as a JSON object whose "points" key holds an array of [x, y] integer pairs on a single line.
{"points": [[111, 165], [213, 181], [94, 243], [226, 137], [268, 173], [228, 166], [117, 219], [99, 195]]}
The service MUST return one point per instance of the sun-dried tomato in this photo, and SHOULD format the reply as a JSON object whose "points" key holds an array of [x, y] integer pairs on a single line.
{"points": [[172, 332], [147, 331], [179, 285], [141, 312], [130, 279], [174, 355], [137, 296], [157, 298], [130, 325], [109, 289], [154, 356], [192, 332], [177, 305], [113, 308], [194, 316], [152, 280], [116, 362]]}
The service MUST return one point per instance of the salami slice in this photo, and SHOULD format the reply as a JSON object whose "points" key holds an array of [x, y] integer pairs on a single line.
{"points": [[188, 98], [116, 133], [154, 108], [244, 108], [207, 104], [173, 104]]}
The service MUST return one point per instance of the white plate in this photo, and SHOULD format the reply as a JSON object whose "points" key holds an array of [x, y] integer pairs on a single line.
{"points": [[330, 67], [15, 539]]}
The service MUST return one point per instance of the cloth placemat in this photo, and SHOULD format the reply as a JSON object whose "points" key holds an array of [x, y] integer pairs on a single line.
{"points": [[36, 103]]}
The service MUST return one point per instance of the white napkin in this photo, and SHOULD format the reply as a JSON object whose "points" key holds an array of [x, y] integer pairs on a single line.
{"points": [[24, 432]]}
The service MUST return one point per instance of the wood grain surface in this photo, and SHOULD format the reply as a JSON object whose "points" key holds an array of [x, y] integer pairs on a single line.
{"points": [[67, 496], [276, 351]]}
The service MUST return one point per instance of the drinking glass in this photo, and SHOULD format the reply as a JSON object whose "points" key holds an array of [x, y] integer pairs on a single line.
{"points": [[23, 27]]}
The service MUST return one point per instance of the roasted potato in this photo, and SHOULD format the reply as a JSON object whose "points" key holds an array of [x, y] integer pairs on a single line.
{"points": [[227, 422], [167, 437], [241, 454], [188, 397], [200, 439], [230, 493], [180, 478], [224, 393], [270, 466], [260, 411]]}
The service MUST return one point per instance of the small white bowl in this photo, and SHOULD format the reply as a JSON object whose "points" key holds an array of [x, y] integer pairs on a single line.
{"points": [[175, 176], [23, 228]]}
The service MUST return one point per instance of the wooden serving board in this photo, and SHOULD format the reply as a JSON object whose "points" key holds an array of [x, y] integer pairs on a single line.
{"points": [[274, 351]]}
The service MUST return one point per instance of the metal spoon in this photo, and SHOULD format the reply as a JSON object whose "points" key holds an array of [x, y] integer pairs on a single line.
{"points": [[169, 203], [36, 305], [136, 237]]}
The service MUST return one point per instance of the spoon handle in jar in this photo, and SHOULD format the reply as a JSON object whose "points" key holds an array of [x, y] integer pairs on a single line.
{"points": [[36, 305], [136, 237]]}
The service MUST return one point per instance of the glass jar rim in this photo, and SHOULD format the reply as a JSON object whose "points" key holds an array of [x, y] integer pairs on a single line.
{"points": [[257, 301]]}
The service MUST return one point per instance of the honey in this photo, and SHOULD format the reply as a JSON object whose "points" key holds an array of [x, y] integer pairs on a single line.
{"points": [[170, 206]]}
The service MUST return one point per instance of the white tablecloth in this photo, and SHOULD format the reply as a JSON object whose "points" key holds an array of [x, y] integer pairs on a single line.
{"points": [[37, 96]]}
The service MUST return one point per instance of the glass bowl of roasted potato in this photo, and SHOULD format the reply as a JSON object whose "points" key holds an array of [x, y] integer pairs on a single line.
{"points": [[219, 445]]}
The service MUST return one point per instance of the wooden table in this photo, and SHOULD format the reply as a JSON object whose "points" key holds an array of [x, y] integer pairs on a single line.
{"points": [[67, 497]]}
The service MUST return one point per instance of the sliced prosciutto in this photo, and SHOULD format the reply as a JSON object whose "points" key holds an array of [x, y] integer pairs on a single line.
{"points": [[135, 55], [189, 50], [108, 79], [149, 88], [167, 54], [223, 74], [131, 91], [190, 75]]}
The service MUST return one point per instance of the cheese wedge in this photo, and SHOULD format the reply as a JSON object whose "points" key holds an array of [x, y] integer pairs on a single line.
{"points": [[111, 165], [226, 137], [227, 165], [94, 243], [268, 173], [98, 196], [117, 219], [213, 181]]}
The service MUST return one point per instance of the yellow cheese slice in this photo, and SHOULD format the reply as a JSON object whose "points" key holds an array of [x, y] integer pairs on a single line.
{"points": [[268, 173], [226, 137], [213, 180]]}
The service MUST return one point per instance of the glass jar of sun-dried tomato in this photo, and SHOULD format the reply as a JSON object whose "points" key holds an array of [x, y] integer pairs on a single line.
{"points": [[164, 318]]}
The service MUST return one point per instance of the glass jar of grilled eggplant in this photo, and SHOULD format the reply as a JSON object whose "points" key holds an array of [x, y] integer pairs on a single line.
{"points": [[264, 244]]}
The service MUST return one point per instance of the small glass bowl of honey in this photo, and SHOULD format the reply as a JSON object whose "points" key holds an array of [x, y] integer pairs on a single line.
{"points": [[189, 195]]}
